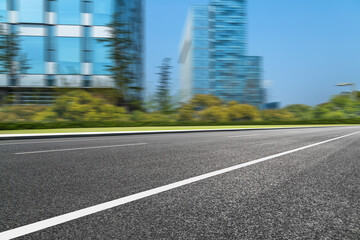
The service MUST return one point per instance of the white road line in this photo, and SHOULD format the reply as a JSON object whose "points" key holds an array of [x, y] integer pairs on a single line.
{"points": [[236, 136], [37, 226], [83, 148], [65, 141], [60, 141]]}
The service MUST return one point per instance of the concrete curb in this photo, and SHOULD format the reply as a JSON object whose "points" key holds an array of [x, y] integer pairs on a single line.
{"points": [[99, 134]]}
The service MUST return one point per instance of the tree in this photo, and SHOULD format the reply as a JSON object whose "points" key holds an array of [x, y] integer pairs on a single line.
{"points": [[190, 110], [186, 113], [12, 61], [300, 111], [163, 91], [20, 112], [79, 105], [239, 112], [214, 114], [322, 109], [276, 114], [202, 101], [120, 44]]}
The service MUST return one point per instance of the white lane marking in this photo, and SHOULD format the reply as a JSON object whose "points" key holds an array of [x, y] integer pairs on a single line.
{"points": [[64, 141], [37, 226], [243, 136], [83, 148]]}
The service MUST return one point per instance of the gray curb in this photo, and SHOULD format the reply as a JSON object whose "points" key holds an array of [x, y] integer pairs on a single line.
{"points": [[97, 134]]}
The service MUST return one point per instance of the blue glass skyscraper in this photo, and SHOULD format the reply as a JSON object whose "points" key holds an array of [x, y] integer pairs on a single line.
{"points": [[213, 54], [60, 40]]}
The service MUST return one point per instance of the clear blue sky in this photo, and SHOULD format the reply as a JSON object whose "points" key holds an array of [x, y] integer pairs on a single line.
{"points": [[308, 45]]}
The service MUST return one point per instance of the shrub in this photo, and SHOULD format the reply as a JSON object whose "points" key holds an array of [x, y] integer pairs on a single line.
{"points": [[20, 112], [242, 112], [276, 115]]}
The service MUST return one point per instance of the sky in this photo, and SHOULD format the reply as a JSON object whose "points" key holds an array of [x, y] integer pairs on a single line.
{"points": [[307, 46]]}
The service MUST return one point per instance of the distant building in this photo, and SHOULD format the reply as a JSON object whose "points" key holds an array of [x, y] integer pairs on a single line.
{"points": [[213, 55], [271, 105], [60, 40]]}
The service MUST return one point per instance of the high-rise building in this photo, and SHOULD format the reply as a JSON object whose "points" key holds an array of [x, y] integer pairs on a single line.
{"points": [[60, 41], [213, 54]]}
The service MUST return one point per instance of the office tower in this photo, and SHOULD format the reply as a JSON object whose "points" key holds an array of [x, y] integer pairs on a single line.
{"points": [[60, 41], [213, 55]]}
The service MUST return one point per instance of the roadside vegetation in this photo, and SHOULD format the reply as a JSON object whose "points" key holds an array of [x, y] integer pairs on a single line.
{"points": [[82, 109]]}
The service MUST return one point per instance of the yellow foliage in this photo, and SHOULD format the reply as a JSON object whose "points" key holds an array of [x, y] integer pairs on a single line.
{"points": [[239, 112], [214, 114], [277, 114], [20, 112]]}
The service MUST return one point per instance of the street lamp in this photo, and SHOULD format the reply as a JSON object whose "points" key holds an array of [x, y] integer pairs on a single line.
{"points": [[352, 88]]}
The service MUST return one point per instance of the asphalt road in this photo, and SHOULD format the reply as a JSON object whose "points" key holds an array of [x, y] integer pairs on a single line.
{"points": [[311, 193]]}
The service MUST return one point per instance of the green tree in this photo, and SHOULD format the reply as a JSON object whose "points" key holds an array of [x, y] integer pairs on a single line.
{"points": [[79, 105], [342, 102], [322, 109], [214, 114], [186, 113], [239, 112], [163, 89], [151, 103], [119, 44], [276, 115], [339, 106], [18, 113], [300, 111], [189, 111], [202, 101], [335, 115]]}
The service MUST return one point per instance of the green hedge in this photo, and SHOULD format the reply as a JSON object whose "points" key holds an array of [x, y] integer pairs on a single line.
{"points": [[65, 124]]}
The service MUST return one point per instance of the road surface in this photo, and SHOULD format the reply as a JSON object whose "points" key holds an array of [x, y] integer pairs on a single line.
{"points": [[259, 184]]}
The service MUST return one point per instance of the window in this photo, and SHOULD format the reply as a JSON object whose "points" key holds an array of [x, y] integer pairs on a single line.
{"points": [[201, 12], [68, 12], [201, 84], [33, 47], [31, 11], [201, 53], [201, 74], [201, 33], [68, 55], [100, 58], [103, 11], [201, 23], [199, 63], [3, 12], [201, 91], [201, 44]]}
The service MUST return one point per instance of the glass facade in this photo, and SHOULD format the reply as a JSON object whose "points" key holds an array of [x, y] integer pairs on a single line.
{"points": [[33, 48], [68, 55], [102, 12], [100, 58], [3, 12], [31, 11], [201, 51], [217, 58], [68, 12], [59, 37]]}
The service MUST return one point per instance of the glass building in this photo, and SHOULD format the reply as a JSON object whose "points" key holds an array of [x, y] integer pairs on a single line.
{"points": [[213, 55], [60, 40]]}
